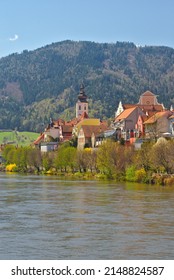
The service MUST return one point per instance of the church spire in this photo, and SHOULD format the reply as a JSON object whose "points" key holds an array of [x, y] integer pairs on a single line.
{"points": [[82, 103], [82, 97]]}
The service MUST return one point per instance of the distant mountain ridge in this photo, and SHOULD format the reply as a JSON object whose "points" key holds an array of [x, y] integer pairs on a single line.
{"points": [[42, 84]]}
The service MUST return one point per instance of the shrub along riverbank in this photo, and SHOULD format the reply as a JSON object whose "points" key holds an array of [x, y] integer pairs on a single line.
{"points": [[153, 163]]}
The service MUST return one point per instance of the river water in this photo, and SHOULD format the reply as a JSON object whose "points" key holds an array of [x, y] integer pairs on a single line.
{"points": [[45, 217]]}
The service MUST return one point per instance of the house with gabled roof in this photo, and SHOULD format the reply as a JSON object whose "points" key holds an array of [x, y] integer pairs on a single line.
{"points": [[126, 121], [159, 124], [88, 133]]}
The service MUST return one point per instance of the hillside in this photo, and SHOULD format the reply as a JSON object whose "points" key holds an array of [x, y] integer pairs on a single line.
{"points": [[37, 85], [23, 138]]}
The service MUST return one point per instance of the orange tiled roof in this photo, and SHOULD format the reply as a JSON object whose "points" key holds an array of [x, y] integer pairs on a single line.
{"points": [[157, 116], [125, 113]]}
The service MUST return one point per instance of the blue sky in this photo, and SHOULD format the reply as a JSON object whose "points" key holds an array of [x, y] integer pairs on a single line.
{"points": [[30, 24]]}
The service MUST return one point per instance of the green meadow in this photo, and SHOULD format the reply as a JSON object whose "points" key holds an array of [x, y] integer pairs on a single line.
{"points": [[14, 137]]}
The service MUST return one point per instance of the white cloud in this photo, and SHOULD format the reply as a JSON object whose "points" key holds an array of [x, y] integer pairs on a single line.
{"points": [[14, 38]]}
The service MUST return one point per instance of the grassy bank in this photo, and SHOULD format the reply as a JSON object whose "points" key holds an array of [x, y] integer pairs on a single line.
{"points": [[23, 138], [151, 179]]}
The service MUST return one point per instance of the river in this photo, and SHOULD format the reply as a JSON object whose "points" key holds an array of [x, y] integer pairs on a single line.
{"points": [[45, 217]]}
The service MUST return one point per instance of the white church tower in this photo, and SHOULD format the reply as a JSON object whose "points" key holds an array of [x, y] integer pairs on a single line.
{"points": [[82, 103]]}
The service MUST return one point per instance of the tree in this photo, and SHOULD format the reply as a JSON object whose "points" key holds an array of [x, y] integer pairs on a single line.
{"points": [[81, 160], [163, 155], [143, 157], [5, 153], [112, 158], [86, 159], [20, 158], [65, 157], [34, 159], [104, 162], [47, 161], [90, 156], [70, 155]]}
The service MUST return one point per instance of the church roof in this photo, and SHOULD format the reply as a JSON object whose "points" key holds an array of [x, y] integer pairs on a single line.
{"points": [[147, 93], [158, 107], [82, 97]]}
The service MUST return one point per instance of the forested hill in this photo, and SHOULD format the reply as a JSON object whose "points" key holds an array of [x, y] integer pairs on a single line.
{"points": [[37, 85]]}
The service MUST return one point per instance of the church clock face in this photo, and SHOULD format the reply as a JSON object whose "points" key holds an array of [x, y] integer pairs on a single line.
{"points": [[147, 102]]}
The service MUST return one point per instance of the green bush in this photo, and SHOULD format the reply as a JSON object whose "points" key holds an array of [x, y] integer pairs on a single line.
{"points": [[140, 175], [131, 174]]}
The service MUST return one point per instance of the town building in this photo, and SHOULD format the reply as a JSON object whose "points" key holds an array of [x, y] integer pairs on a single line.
{"points": [[87, 132], [159, 125], [130, 118], [82, 103]]}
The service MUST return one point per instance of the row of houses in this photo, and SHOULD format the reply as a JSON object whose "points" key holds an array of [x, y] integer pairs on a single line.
{"points": [[146, 119]]}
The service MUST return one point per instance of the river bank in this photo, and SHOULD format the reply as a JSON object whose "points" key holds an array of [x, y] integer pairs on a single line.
{"points": [[144, 177], [153, 179], [152, 164]]}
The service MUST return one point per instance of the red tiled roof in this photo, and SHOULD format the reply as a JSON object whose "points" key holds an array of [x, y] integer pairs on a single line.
{"points": [[78, 119], [90, 129], [38, 140], [156, 108]]}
